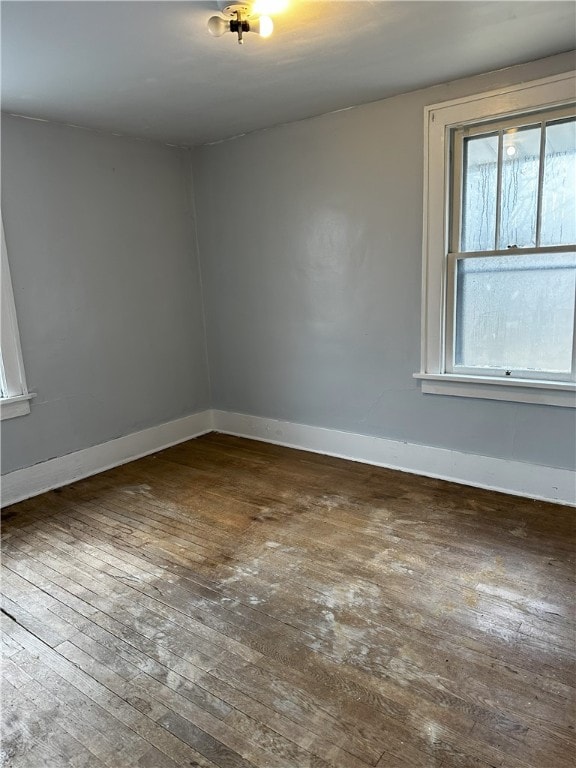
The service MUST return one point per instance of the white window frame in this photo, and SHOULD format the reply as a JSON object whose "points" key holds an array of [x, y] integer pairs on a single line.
{"points": [[439, 121], [15, 399]]}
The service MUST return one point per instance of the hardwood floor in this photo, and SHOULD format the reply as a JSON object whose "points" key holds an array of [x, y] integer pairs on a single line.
{"points": [[236, 604]]}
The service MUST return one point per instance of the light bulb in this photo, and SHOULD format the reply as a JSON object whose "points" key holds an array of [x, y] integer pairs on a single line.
{"points": [[265, 26], [217, 26], [267, 7], [511, 150]]}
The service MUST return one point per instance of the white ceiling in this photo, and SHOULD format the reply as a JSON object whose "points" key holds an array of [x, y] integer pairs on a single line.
{"points": [[151, 69]]}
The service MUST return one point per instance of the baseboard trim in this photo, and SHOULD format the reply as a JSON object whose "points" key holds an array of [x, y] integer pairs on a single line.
{"points": [[39, 478], [514, 477]]}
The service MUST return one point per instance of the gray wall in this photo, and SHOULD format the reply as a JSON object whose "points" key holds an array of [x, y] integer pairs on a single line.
{"points": [[310, 241], [102, 250]]}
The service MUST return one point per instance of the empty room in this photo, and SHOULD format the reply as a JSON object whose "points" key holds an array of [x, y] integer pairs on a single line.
{"points": [[288, 384]]}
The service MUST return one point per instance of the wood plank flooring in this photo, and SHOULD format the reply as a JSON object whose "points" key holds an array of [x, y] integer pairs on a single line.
{"points": [[235, 604]]}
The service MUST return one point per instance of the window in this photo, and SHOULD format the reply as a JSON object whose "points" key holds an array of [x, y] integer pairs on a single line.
{"points": [[500, 245], [14, 395]]}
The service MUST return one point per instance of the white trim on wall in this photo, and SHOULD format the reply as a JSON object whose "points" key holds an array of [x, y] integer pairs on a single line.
{"points": [[439, 120], [514, 477], [39, 478], [15, 399]]}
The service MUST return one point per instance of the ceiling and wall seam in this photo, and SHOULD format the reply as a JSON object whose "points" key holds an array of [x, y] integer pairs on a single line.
{"points": [[100, 131]]}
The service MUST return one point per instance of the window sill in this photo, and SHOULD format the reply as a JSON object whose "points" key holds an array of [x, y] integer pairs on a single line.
{"points": [[542, 392], [10, 407]]}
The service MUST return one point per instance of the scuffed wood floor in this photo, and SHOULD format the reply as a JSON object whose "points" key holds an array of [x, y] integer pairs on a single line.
{"points": [[230, 603]]}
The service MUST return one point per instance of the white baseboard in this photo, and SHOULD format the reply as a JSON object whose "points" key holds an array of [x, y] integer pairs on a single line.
{"points": [[515, 477], [31, 481]]}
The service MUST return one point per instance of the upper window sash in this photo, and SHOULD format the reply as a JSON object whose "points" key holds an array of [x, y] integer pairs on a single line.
{"points": [[499, 130]]}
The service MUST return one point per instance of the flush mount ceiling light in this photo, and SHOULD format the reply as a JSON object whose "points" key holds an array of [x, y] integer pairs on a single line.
{"points": [[246, 17]]}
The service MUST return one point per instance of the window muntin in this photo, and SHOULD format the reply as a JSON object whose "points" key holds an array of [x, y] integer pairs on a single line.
{"points": [[511, 271]]}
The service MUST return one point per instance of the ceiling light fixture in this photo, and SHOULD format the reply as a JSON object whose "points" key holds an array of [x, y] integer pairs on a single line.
{"points": [[246, 17]]}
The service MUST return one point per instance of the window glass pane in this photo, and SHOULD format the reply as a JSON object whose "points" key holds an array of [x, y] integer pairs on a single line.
{"points": [[559, 188], [519, 196], [479, 193], [516, 312]]}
